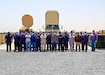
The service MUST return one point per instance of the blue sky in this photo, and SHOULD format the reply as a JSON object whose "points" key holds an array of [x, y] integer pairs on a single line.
{"points": [[79, 15]]}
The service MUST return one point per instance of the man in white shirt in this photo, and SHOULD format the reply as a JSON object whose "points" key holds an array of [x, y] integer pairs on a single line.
{"points": [[28, 41]]}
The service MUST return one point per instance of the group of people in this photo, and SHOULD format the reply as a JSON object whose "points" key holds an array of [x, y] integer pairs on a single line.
{"points": [[32, 41]]}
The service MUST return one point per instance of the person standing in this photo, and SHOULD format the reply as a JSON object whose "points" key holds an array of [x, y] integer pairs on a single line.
{"points": [[48, 41], [60, 42], [43, 41], [38, 42], [8, 39], [85, 41], [15, 42], [33, 41], [62, 47], [82, 43], [71, 41], [23, 39], [54, 40], [66, 41], [28, 41], [19, 41], [78, 40], [93, 40]]}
